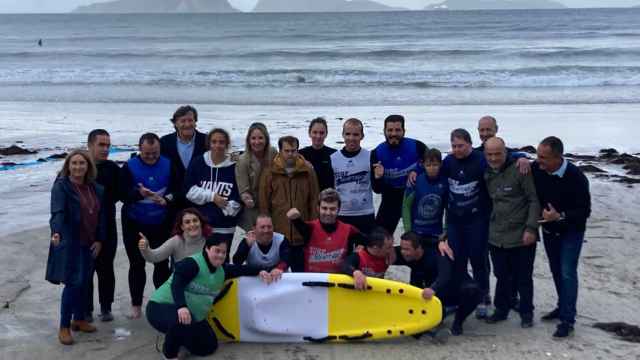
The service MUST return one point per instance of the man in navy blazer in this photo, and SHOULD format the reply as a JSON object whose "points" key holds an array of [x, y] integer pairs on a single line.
{"points": [[183, 145]]}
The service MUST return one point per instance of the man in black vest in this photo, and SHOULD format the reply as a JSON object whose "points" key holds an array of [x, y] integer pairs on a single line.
{"points": [[564, 196]]}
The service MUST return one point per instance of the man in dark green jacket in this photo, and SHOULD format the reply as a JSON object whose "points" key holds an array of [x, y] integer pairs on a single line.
{"points": [[513, 230]]}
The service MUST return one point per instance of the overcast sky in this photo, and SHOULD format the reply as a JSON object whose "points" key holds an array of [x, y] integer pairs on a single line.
{"points": [[45, 6]]}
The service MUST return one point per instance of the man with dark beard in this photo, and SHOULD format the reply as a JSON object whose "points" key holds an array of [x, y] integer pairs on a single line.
{"points": [[394, 162]]}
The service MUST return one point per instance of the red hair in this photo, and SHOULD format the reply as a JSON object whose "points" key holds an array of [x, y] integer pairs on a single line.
{"points": [[177, 227]]}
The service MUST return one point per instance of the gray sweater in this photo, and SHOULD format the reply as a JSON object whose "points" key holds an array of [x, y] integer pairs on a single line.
{"points": [[176, 247]]}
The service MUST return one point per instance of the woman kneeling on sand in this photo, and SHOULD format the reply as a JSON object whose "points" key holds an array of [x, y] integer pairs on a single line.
{"points": [[180, 306], [190, 232], [77, 232]]}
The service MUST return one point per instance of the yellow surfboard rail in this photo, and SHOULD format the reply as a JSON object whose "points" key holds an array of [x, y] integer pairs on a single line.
{"points": [[386, 309]]}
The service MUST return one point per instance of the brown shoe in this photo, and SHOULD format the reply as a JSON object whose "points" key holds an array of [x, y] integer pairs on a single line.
{"points": [[83, 325], [64, 335]]}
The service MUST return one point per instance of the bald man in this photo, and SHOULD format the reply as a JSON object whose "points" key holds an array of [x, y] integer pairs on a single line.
{"points": [[488, 128], [513, 230]]}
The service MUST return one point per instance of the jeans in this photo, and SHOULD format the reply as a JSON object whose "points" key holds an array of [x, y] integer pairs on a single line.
{"points": [[509, 264], [197, 337], [74, 294], [469, 240], [563, 251]]}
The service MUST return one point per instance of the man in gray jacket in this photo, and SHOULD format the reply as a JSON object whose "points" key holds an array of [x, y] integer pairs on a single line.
{"points": [[513, 230]]}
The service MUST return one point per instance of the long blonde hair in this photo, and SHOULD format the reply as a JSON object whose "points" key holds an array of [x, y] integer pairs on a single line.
{"points": [[92, 172]]}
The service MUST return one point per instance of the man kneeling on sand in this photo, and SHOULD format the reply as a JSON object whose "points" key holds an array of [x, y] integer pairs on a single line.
{"points": [[433, 272]]}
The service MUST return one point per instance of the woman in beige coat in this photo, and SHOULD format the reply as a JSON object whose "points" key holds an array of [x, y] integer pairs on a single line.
{"points": [[257, 156]]}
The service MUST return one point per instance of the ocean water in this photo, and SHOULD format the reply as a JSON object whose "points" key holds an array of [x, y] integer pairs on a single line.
{"points": [[586, 56], [570, 73]]}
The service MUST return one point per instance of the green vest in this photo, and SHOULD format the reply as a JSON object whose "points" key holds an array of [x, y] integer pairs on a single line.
{"points": [[200, 292]]}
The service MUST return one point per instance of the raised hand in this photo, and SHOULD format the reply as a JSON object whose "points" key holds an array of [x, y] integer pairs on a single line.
{"points": [[251, 237], [143, 243], [293, 214]]}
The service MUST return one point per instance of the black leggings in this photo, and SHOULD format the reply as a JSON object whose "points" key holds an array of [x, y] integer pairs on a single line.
{"points": [[156, 234], [106, 276], [197, 337], [390, 210], [364, 223], [468, 297]]}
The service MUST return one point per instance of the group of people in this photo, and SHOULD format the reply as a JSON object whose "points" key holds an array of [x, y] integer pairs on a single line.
{"points": [[312, 210]]}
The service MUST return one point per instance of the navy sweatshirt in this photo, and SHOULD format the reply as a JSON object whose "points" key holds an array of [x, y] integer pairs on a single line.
{"points": [[468, 194], [203, 180]]}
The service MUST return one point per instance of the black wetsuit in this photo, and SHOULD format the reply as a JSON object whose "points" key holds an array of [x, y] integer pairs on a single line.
{"points": [[321, 161], [436, 272], [108, 177]]}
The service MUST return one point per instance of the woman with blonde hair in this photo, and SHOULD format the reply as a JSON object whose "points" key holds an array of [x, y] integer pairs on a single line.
{"points": [[77, 233], [257, 156]]}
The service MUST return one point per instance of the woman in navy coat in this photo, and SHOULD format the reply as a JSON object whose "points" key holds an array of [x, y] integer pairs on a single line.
{"points": [[77, 232]]}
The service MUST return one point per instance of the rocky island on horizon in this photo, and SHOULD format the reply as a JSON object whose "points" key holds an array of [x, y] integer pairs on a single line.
{"points": [[158, 6], [495, 5]]}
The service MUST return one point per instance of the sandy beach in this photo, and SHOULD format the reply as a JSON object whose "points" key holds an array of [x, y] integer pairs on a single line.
{"points": [[609, 280]]}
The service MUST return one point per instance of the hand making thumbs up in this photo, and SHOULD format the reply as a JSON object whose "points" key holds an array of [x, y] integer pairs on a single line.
{"points": [[143, 243]]}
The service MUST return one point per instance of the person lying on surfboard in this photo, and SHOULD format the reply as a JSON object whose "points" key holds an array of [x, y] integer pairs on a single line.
{"points": [[327, 240], [433, 272], [373, 260], [180, 306]]}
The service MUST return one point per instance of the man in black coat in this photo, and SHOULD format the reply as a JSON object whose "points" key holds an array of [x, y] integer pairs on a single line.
{"points": [[563, 191], [181, 146]]}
